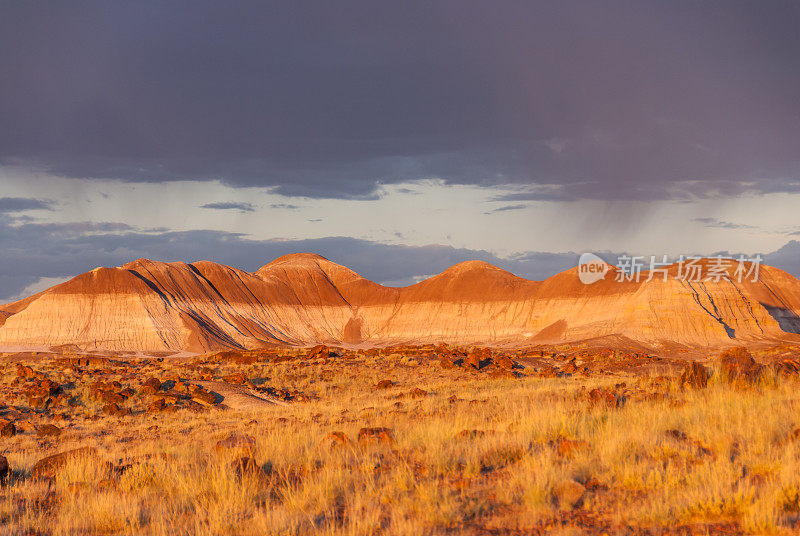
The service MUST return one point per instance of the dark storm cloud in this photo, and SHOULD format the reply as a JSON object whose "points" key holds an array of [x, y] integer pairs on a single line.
{"points": [[229, 205], [560, 100], [19, 204]]}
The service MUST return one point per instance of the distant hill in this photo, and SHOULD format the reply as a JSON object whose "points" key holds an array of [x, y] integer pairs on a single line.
{"points": [[304, 299]]}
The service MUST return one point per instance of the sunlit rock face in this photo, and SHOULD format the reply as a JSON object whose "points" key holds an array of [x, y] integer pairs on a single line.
{"points": [[304, 299]]}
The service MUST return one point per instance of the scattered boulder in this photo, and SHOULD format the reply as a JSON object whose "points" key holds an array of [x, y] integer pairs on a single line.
{"points": [[150, 386], [7, 429], [48, 430], [237, 378], [237, 357], [568, 495], [48, 467], [335, 440], [567, 448], [39, 401], [446, 363], [606, 398], [474, 434], [236, 445], [157, 406], [504, 362], [695, 376], [699, 449], [116, 411], [416, 392], [204, 397], [4, 469], [738, 367], [472, 361], [384, 384], [787, 368], [24, 371], [109, 396], [375, 437], [322, 352], [247, 468], [570, 367]]}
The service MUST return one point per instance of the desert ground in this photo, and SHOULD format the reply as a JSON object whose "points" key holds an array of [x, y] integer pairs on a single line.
{"points": [[401, 440]]}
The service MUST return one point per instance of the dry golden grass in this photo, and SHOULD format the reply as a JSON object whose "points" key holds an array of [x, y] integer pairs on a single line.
{"points": [[736, 469]]}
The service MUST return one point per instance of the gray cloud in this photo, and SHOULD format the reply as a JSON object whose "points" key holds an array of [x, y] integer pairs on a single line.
{"points": [[786, 258], [285, 206], [229, 205], [506, 208], [558, 101], [19, 204], [719, 224]]}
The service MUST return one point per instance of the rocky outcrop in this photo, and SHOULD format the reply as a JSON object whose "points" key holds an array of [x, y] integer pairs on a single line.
{"points": [[304, 299]]}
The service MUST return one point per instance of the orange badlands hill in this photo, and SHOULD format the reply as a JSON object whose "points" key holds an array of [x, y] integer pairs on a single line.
{"points": [[304, 299]]}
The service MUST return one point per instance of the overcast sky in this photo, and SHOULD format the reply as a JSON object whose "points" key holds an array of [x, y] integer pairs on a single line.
{"points": [[394, 137]]}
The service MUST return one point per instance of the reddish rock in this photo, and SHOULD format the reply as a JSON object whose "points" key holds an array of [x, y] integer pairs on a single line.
{"points": [[474, 434], [567, 448], [472, 361], [39, 401], [787, 368], [109, 397], [7, 429], [321, 352], [49, 386], [375, 436], [116, 411], [25, 371], [151, 385], [157, 406], [695, 376], [237, 378], [568, 495], [147, 390], [246, 468], [181, 388], [504, 362], [335, 440], [48, 467], [204, 397], [446, 363], [235, 445], [205, 374], [416, 392], [606, 398], [384, 384], [570, 367], [697, 446], [4, 469], [168, 398], [48, 430], [737, 366]]}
